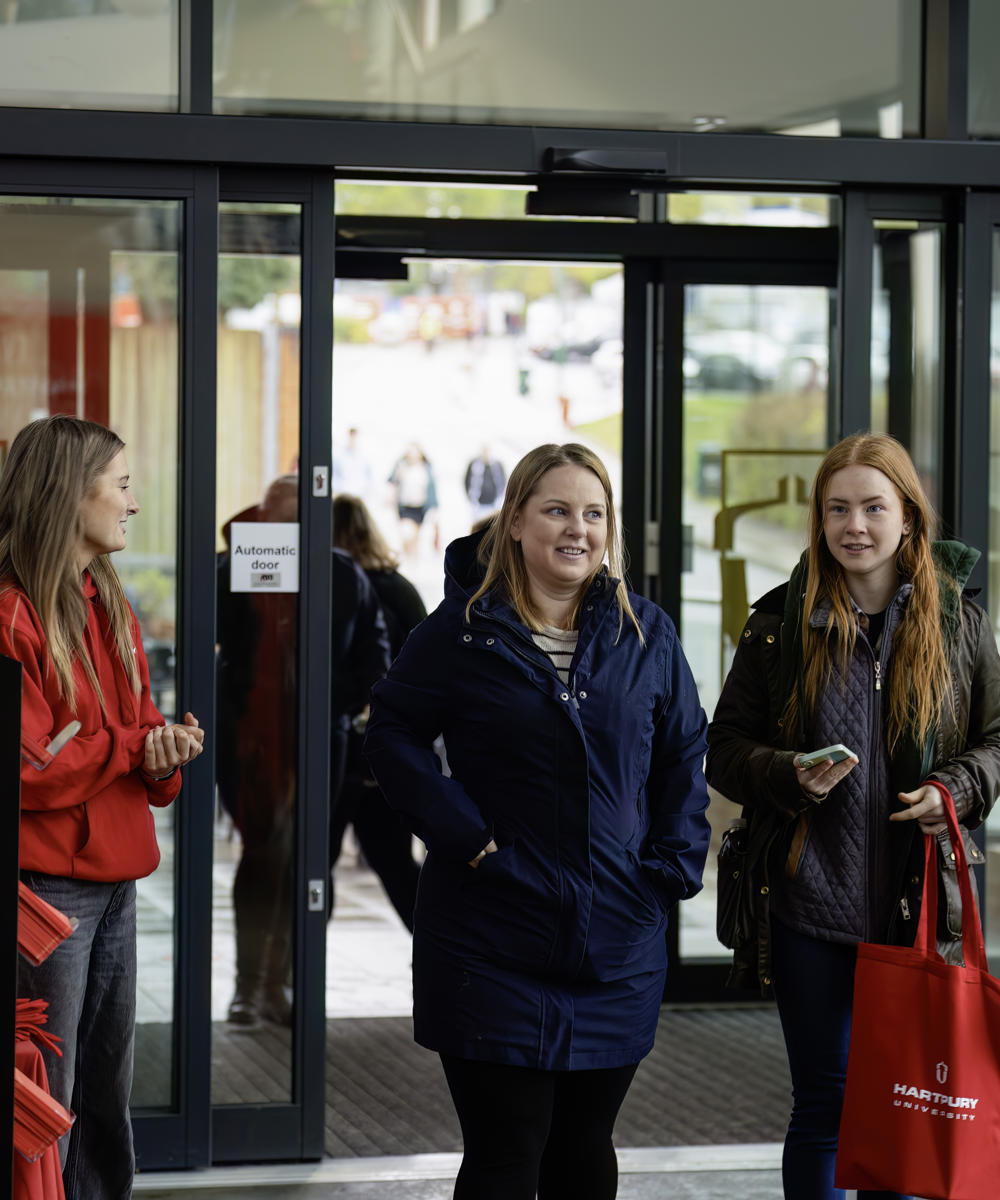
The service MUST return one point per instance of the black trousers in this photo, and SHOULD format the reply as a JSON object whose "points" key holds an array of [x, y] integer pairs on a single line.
{"points": [[529, 1132]]}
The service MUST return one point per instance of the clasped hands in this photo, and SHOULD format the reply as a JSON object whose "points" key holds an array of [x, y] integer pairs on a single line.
{"points": [[171, 746], [925, 803]]}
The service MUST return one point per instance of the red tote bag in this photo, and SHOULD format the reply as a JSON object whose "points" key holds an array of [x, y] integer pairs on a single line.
{"points": [[922, 1103]]}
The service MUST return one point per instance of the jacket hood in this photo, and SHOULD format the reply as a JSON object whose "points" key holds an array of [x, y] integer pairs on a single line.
{"points": [[463, 572], [955, 560]]}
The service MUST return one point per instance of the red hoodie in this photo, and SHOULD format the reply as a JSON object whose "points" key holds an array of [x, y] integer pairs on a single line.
{"points": [[84, 811]]}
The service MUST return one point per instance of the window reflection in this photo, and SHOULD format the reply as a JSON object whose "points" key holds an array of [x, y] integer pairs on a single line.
{"points": [[907, 339], [119, 54], [578, 62]]}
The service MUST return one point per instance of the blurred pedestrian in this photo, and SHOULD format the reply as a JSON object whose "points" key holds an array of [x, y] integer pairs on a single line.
{"points": [[484, 484], [383, 838], [257, 763], [416, 494], [351, 470], [257, 768]]}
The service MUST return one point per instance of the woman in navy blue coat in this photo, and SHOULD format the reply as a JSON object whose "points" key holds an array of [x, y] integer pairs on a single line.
{"points": [[572, 819]]}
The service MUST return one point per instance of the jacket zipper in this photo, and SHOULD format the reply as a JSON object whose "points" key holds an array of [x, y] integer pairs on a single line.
{"points": [[876, 742]]}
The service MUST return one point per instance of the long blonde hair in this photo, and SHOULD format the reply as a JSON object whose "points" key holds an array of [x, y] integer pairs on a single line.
{"points": [[53, 464], [503, 557], [355, 531], [919, 675]]}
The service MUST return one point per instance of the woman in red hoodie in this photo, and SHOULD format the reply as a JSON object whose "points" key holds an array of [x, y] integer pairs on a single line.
{"points": [[95, 754]]}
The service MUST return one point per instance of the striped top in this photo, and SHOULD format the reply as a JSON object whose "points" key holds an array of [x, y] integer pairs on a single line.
{"points": [[560, 646]]}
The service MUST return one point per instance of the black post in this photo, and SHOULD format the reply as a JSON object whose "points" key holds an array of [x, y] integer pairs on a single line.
{"points": [[10, 789]]}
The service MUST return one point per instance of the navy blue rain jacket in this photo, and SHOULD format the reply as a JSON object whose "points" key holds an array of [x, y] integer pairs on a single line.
{"points": [[551, 953]]}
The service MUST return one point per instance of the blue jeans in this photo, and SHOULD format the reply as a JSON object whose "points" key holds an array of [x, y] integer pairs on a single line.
{"points": [[89, 982], [814, 988]]}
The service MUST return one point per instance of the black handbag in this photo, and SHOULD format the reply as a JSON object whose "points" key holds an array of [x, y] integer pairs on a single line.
{"points": [[743, 878], [731, 899]]}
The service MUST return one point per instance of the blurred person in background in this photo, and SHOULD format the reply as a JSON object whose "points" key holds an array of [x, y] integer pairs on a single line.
{"points": [[257, 758], [484, 484], [351, 472], [416, 495], [384, 840], [572, 822]]}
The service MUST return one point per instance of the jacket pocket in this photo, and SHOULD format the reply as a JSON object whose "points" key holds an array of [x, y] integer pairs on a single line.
{"points": [[507, 907], [797, 849]]}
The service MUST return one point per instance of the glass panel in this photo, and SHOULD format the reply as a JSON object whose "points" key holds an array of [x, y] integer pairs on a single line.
{"points": [[632, 65], [88, 326], [755, 424], [907, 339], [744, 208], [120, 54], [984, 87], [257, 633], [369, 198], [436, 200], [993, 566]]}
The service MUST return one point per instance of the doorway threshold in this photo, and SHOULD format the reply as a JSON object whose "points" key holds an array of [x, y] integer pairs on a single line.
{"points": [[642, 1160]]}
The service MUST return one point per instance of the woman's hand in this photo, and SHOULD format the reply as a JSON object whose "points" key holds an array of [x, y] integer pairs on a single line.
{"points": [[490, 848], [817, 781], [171, 746], [926, 806]]}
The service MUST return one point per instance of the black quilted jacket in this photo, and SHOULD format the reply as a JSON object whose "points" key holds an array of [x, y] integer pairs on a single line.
{"points": [[840, 870]]}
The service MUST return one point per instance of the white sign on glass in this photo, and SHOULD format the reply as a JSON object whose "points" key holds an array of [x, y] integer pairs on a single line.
{"points": [[264, 556]]}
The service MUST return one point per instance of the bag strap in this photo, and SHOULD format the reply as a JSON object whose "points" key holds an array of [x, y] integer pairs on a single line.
{"points": [[973, 950]]}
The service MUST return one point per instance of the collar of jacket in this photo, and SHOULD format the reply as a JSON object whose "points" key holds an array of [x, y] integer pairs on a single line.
{"points": [[820, 615], [600, 595]]}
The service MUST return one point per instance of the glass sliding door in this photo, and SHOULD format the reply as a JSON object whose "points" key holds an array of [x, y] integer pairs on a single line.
{"points": [[271, 524], [257, 528]]}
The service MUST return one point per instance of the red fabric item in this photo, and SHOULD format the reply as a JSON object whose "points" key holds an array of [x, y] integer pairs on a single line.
{"points": [[29, 1018], [40, 927], [922, 1104], [84, 811], [40, 1179]]}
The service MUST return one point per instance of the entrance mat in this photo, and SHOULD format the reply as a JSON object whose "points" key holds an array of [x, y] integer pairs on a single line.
{"points": [[716, 1076]]}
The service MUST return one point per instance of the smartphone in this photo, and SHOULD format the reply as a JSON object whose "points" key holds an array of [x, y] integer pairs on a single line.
{"points": [[837, 753]]}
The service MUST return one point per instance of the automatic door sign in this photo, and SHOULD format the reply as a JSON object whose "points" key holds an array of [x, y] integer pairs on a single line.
{"points": [[264, 556]]}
